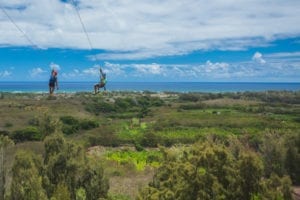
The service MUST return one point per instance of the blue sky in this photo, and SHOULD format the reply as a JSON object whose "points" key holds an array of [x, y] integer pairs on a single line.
{"points": [[170, 40]]}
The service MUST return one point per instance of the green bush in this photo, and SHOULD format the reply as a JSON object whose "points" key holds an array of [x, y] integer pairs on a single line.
{"points": [[8, 125], [150, 139], [4, 132], [88, 124], [27, 134], [68, 129], [189, 97], [100, 107], [69, 120], [192, 106], [72, 125]]}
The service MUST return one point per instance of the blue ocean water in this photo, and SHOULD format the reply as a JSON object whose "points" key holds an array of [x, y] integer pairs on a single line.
{"points": [[71, 87]]}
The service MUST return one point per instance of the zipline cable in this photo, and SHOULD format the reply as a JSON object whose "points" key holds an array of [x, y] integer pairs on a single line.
{"points": [[82, 24], [13, 22]]}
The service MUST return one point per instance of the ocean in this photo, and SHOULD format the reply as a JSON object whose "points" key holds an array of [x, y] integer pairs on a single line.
{"points": [[215, 87]]}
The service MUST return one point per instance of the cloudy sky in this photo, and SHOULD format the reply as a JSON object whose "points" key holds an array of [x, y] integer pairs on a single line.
{"points": [[151, 40]]}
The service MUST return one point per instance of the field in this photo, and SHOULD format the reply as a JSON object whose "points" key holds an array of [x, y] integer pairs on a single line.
{"points": [[129, 132]]}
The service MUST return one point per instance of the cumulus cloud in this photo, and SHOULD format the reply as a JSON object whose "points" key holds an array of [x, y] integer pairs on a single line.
{"points": [[173, 72], [36, 72], [54, 66], [135, 29], [93, 71], [75, 73], [258, 57], [5, 73], [213, 67]]}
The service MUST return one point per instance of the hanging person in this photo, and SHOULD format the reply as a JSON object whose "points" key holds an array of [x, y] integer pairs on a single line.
{"points": [[102, 82], [53, 82]]}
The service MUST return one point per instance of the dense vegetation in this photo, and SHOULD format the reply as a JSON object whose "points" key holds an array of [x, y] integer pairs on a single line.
{"points": [[185, 145]]}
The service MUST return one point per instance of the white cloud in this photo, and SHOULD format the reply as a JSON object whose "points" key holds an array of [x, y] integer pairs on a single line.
{"points": [[258, 57], [135, 29], [54, 66], [5, 74], [93, 71], [73, 74], [215, 67], [36, 72]]}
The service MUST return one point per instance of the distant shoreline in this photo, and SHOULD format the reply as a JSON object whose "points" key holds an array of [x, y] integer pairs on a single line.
{"points": [[181, 87]]}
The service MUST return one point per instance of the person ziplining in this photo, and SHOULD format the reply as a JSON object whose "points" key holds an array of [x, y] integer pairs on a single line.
{"points": [[53, 82], [102, 83]]}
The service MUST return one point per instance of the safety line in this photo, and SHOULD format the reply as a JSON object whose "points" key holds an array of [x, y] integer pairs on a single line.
{"points": [[82, 24], [13, 22]]}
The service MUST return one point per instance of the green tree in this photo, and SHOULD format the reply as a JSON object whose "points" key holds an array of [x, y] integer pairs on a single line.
{"points": [[49, 125], [80, 194], [63, 163], [93, 181], [250, 171], [5, 143], [205, 171], [61, 192], [210, 170], [66, 162], [292, 158], [273, 154], [26, 179]]}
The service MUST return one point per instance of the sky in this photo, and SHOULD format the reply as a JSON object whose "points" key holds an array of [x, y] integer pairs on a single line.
{"points": [[151, 40]]}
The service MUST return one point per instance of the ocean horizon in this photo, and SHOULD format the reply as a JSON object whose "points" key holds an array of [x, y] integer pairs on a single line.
{"points": [[215, 87]]}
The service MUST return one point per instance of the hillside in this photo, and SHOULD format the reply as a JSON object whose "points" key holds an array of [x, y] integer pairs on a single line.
{"points": [[143, 140]]}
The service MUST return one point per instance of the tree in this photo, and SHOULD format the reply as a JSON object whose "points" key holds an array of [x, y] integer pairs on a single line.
{"points": [[292, 158], [250, 171], [93, 181], [273, 154], [61, 192], [210, 170], [63, 163], [67, 163], [26, 179], [5, 142], [205, 172]]}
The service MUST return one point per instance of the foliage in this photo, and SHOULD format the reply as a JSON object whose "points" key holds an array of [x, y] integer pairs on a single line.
{"points": [[292, 158], [72, 125], [65, 173], [257, 131], [5, 143], [123, 105], [26, 178], [80, 194], [29, 133], [210, 171], [61, 192], [139, 159], [98, 106], [94, 182], [189, 97]]}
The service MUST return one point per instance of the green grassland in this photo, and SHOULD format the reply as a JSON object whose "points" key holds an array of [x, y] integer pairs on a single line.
{"points": [[128, 132]]}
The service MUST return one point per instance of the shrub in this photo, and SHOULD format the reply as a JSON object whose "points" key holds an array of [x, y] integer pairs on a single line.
{"points": [[150, 140], [192, 106], [4, 132], [8, 125], [88, 124], [189, 97], [69, 120], [27, 134], [68, 130], [98, 107]]}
